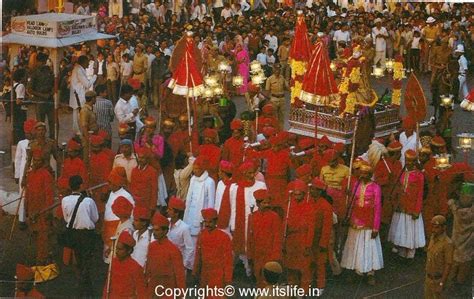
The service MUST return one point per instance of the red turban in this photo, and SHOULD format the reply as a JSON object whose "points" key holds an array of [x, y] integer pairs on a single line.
{"points": [[118, 176], [409, 123], [176, 203], [122, 207], [260, 194], [97, 140], [305, 143], [127, 239], [24, 273], [160, 220], [247, 165], [73, 145], [226, 166], [141, 212], [268, 108], [269, 131], [236, 124], [325, 141], [209, 214], [303, 170], [299, 185], [394, 146], [410, 154], [438, 141], [134, 83], [330, 155], [29, 125], [318, 183], [103, 134], [201, 161], [209, 133]]}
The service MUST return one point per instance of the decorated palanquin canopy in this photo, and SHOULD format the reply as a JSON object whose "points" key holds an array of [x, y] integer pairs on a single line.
{"points": [[319, 86], [300, 54]]}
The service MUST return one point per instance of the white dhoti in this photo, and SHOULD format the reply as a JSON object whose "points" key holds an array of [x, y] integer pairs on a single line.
{"points": [[162, 192], [406, 232], [362, 253]]}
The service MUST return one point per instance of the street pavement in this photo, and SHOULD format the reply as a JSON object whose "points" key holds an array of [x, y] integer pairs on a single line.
{"points": [[398, 278]]}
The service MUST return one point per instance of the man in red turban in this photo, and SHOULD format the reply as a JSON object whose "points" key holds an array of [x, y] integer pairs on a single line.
{"points": [[233, 149], [144, 180]]}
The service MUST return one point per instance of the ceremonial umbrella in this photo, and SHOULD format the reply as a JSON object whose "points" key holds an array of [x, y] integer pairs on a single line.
{"points": [[415, 103], [187, 78], [300, 53]]}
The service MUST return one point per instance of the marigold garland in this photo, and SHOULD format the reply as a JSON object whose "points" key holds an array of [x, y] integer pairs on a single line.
{"points": [[298, 69], [396, 85]]}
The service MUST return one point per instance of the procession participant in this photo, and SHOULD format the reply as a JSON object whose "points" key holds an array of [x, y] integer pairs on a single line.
{"points": [[439, 259], [386, 175], [127, 158], [362, 250], [39, 195], [179, 232], [80, 83], [213, 262], [333, 175], [182, 173], [271, 273], [140, 63], [124, 111], [211, 151], [124, 132], [101, 165], [268, 118], [164, 263], [297, 236], [21, 156], [201, 194], [179, 139], [278, 167], [406, 230], [222, 203], [73, 164], [461, 207], [408, 137], [305, 146], [233, 148], [46, 145], [87, 123], [155, 142], [122, 209], [25, 284], [242, 202], [303, 173], [463, 69], [318, 162], [264, 241], [141, 234], [85, 220], [276, 85], [322, 213], [126, 275], [117, 181], [144, 181], [438, 145]]}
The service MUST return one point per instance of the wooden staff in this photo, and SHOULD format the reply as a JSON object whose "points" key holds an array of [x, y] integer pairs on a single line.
{"points": [[351, 163], [14, 218], [109, 272]]}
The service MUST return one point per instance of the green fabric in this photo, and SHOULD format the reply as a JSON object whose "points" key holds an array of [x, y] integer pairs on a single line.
{"points": [[467, 188]]}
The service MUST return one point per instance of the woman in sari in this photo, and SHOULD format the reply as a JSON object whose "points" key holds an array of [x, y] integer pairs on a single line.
{"points": [[242, 62]]}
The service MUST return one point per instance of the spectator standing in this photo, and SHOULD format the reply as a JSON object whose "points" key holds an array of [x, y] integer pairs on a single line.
{"points": [[380, 34], [104, 110]]}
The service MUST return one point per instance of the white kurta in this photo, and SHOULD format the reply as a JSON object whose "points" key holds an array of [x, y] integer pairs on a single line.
{"points": [[20, 162], [79, 83], [140, 251], [180, 235], [219, 193], [201, 195], [407, 144]]}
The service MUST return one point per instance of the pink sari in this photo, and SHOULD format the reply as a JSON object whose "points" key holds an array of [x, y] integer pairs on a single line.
{"points": [[243, 61]]}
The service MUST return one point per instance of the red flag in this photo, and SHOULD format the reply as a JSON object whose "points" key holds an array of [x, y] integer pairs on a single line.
{"points": [[414, 99]]}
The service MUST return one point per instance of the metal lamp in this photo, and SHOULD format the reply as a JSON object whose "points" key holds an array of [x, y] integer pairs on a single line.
{"points": [[218, 91], [210, 80], [237, 81], [389, 65], [255, 67], [377, 71], [333, 66], [223, 67], [442, 161], [208, 93], [447, 101]]}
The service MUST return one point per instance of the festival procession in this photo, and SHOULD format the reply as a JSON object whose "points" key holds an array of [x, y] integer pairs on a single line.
{"points": [[236, 149]]}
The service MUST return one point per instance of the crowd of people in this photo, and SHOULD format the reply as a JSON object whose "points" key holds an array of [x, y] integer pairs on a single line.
{"points": [[183, 196]]}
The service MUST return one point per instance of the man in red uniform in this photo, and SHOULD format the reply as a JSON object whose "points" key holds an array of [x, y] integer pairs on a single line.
{"points": [[318, 159], [144, 180], [212, 152], [268, 117], [322, 228], [233, 149], [25, 287], [179, 139], [298, 236], [126, 275], [73, 164], [164, 262], [101, 164], [213, 264], [264, 235], [304, 173], [38, 196], [278, 167], [386, 173]]}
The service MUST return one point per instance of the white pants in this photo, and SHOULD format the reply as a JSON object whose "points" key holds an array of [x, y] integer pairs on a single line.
{"points": [[380, 57], [75, 121], [463, 91]]}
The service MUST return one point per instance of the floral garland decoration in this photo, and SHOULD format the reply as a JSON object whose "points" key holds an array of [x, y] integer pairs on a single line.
{"points": [[397, 81], [298, 69]]}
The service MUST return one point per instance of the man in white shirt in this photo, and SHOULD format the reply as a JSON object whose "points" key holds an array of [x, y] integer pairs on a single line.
{"points": [[408, 137], [201, 195], [77, 93], [126, 68], [21, 156], [379, 35], [142, 234], [459, 52], [180, 233], [342, 35], [226, 12], [84, 211], [126, 159], [124, 111], [262, 56], [272, 40]]}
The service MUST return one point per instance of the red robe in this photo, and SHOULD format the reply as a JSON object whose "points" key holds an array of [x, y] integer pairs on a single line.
{"points": [[299, 236], [233, 151], [39, 195], [178, 141], [387, 180], [101, 165], [213, 154], [75, 166], [164, 267], [322, 226], [264, 241], [213, 262], [144, 186], [126, 280], [411, 192], [276, 177]]}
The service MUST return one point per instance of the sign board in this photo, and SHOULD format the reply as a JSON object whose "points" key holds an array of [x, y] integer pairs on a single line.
{"points": [[51, 27]]}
